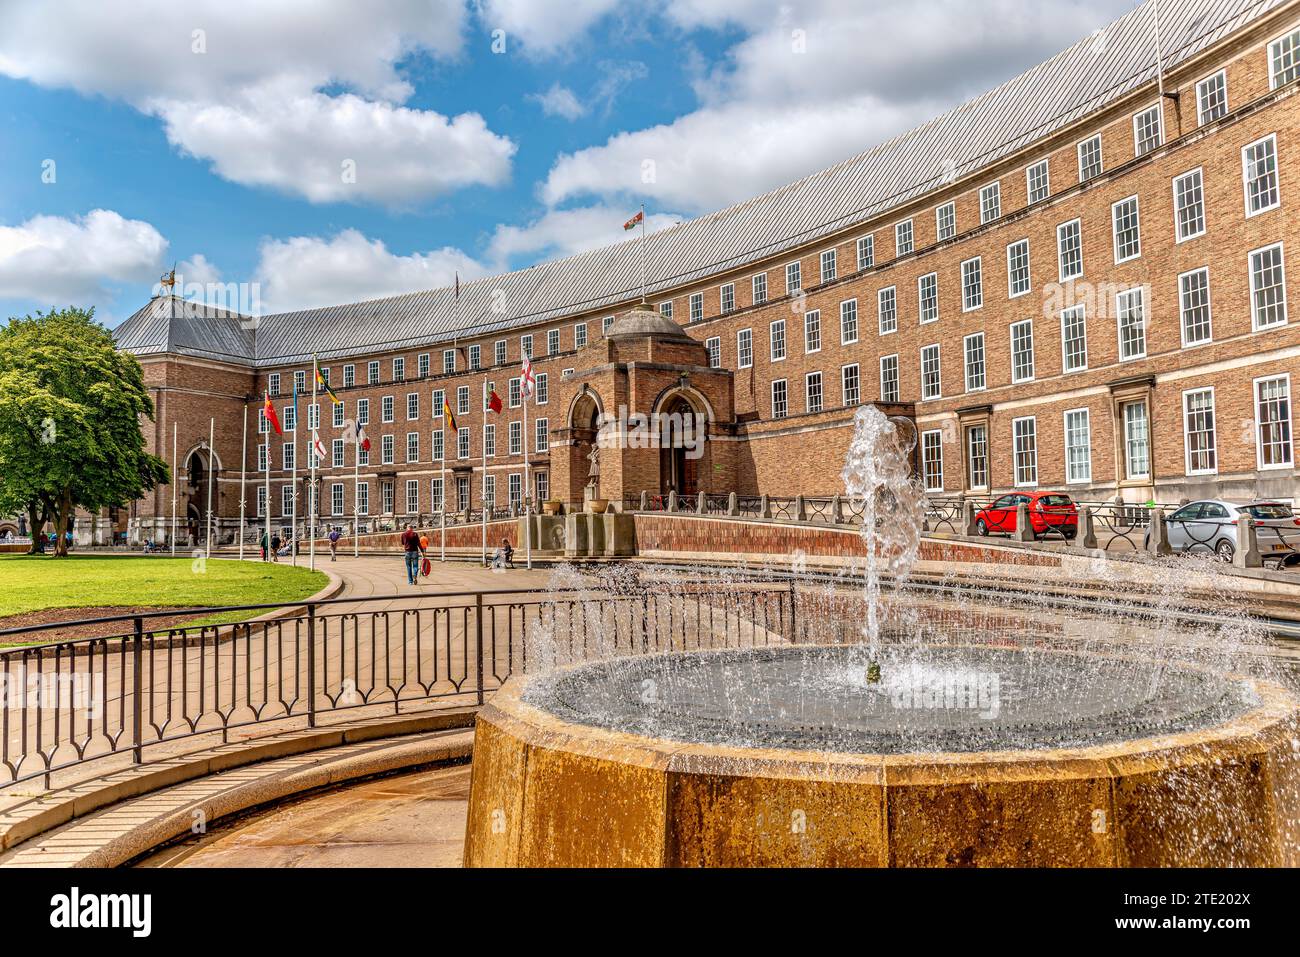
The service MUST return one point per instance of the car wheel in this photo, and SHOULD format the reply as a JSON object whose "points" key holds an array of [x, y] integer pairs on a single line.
{"points": [[1225, 550], [981, 528]]}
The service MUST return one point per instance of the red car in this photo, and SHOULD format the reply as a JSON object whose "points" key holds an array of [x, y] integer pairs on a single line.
{"points": [[1048, 512]]}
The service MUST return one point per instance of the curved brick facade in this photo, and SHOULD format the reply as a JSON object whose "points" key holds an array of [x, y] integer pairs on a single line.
{"points": [[1137, 387]]}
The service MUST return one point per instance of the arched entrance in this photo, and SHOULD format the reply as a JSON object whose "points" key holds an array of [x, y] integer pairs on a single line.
{"points": [[201, 493], [584, 417], [680, 430]]}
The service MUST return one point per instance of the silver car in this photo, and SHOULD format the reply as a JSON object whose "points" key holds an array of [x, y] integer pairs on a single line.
{"points": [[1210, 525]]}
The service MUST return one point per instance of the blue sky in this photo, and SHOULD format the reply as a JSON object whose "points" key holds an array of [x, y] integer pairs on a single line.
{"points": [[483, 136]]}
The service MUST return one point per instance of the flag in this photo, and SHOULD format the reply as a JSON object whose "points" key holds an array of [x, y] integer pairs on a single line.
{"points": [[634, 220], [325, 386], [446, 414], [268, 410], [317, 446], [527, 380], [494, 401], [458, 287], [355, 433]]}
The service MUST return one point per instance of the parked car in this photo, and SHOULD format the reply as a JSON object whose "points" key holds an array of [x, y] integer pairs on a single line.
{"points": [[1210, 526], [1049, 512]]}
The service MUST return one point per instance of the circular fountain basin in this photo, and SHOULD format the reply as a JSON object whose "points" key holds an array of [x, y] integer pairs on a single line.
{"points": [[956, 756]]}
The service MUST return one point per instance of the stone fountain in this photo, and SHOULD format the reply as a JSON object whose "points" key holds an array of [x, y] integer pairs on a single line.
{"points": [[902, 749]]}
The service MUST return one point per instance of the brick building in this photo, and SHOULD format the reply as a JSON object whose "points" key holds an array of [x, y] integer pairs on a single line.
{"points": [[1076, 280]]}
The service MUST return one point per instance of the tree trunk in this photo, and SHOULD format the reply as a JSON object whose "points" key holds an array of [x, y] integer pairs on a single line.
{"points": [[36, 519], [63, 510]]}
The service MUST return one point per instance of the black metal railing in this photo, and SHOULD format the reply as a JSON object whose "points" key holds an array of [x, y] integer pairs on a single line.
{"points": [[153, 678]]}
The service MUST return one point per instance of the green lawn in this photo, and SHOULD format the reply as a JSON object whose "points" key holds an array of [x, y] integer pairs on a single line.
{"points": [[31, 583]]}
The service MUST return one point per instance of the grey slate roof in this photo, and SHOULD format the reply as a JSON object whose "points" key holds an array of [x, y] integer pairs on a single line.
{"points": [[1087, 76]]}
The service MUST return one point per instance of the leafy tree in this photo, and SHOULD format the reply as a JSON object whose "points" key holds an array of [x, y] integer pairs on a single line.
{"points": [[71, 406]]}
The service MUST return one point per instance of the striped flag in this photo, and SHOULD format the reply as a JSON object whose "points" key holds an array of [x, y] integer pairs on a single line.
{"points": [[634, 220], [325, 387], [355, 433], [527, 380], [446, 414]]}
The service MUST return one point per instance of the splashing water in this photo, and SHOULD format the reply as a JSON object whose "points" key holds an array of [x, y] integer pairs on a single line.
{"points": [[878, 477]]}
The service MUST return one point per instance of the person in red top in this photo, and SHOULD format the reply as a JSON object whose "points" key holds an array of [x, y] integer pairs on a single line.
{"points": [[413, 552]]}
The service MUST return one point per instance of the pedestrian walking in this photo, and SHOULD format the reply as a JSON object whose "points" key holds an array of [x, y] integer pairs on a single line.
{"points": [[275, 548], [264, 542], [334, 537], [412, 553]]}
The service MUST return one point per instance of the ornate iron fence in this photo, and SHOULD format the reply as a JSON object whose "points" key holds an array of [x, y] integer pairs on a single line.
{"points": [[150, 679]]}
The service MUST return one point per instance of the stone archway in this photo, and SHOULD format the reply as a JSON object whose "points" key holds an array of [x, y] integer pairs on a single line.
{"points": [[681, 423], [198, 464], [584, 418]]}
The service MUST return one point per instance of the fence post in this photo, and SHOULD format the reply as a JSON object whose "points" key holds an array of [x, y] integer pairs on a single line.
{"points": [[800, 509], [794, 621], [1157, 539], [837, 510], [311, 666], [1024, 530], [1247, 553], [672, 500], [764, 506], [137, 686], [733, 504], [478, 641], [1085, 536], [700, 503], [968, 518], [645, 501]]}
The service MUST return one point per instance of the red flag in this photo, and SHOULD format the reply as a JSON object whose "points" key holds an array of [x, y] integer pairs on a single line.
{"points": [[527, 380], [363, 440], [268, 410], [494, 401], [634, 220]]}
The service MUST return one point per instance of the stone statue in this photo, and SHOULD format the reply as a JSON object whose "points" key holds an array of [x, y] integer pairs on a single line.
{"points": [[593, 473]]}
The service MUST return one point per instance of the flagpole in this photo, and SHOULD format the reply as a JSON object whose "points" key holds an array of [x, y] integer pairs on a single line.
{"points": [[243, 480], [356, 491], [528, 511], [212, 438], [485, 469], [267, 397], [644, 269], [293, 480], [175, 471], [442, 511], [311, 498]]}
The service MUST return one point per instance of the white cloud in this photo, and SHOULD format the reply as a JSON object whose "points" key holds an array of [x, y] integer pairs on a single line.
{"points": [[714, 157], [197, 269], [543, 27], [801, 91], [245, 90], [340, 148], [559, 100], [146, 49], [560, 233], [307, 271], [53, 260]]}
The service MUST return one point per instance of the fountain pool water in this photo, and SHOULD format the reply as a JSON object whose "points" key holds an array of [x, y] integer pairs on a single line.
{"points": [[964, 738]]}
